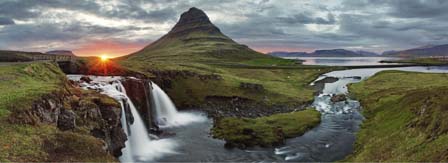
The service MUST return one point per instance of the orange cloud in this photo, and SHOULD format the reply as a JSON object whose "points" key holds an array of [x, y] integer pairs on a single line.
{"points": [[107, 47]]}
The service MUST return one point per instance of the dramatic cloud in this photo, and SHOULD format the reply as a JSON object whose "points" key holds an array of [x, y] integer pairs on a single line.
{"points": [[120, 27], [6, 21]]}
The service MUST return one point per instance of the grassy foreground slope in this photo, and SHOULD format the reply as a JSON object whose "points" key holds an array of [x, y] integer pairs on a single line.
{"points": [[20, 86], [405, 118], [195, 61]]}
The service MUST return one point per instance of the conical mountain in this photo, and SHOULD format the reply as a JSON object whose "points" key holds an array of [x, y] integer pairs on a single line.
{"points": [[195, 38]]}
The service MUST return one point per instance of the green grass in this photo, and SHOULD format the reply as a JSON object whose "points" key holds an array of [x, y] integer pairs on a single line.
{"points": [[213, 53], [405, 118], [265, 131], [21, 85], [283, 80]]}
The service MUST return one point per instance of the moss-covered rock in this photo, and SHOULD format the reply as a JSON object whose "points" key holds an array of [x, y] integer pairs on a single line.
{"points": [[264, 131]]}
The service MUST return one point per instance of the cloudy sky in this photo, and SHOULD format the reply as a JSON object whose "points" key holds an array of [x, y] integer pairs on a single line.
{"points": [[119, 27]]}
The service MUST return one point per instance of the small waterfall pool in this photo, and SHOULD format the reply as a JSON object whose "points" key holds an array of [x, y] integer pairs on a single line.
{"points": [[167, 114], [332, 140]]}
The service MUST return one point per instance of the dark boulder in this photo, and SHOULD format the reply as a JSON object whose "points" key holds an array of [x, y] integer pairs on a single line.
{"points": [[66, 120], [86, 79], [338, 98]]}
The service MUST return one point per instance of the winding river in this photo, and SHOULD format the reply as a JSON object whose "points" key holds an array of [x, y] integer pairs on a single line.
{"points": [[331, 140]]}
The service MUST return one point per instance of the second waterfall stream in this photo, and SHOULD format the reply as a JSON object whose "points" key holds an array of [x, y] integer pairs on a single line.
{"points": [[141, 146]]}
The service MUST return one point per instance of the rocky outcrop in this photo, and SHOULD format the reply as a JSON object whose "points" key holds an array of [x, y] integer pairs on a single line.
{"points": [[138, 90], [192, 21], [252, 86], [223, 106], [338, 98], [164, 78], [73, 110], [66, 120]]}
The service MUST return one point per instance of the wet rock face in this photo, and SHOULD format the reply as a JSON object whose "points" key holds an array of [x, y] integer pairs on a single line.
{"points": [[138, 90], [338, 98]]}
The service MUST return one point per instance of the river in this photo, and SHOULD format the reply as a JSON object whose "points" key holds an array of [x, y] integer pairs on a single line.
{"points": [[331, 140]]}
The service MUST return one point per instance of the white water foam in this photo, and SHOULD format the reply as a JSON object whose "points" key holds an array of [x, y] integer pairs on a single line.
{"points": [[139, 146], [167, 114]]}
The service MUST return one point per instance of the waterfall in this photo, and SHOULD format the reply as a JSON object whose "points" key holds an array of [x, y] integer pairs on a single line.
{"points": [[167, 114], [139, 146]]}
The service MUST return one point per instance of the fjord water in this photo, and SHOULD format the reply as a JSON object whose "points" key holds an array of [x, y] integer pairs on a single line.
{"points": [[345, 61]]}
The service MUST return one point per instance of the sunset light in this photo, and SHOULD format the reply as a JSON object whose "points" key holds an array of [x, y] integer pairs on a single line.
{"points": [[104, 58]]}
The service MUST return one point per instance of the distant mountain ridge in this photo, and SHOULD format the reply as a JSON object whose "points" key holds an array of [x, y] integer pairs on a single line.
{"points": [[326, 53], [61, 52], [425, 51]]}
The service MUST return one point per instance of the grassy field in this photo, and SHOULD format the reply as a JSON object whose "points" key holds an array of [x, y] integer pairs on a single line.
{"points": [[405, 118], [196, 46], [265, 131], [20, 86], [284, 81]]}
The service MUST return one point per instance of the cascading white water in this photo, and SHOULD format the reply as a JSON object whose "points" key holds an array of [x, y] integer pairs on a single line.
{"points": [[139, 146], [167, 114]]}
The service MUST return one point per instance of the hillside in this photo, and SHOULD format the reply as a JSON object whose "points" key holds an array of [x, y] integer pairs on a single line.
{"points": [[19, 56], [199, 66], [61, 52], [405, 118], [43, 118], [194, 39], [326, 53], [425, 51]]}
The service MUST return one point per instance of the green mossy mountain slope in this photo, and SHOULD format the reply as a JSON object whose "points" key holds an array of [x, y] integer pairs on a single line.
{"points": [[196, 61]]}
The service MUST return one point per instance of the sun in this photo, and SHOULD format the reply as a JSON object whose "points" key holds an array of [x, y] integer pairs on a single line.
{"points": [[104, 58]]}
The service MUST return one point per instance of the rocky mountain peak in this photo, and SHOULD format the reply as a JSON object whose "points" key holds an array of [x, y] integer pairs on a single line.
{"points": [[193, 16], [194, 20]]}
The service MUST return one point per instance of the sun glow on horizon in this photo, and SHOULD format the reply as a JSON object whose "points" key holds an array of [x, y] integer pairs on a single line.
{"points": [[104, 58]]}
